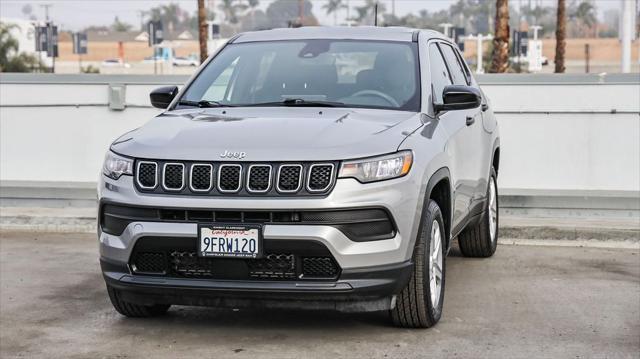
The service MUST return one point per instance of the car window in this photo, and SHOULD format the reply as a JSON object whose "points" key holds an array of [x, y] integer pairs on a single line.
{"points": [[347, 73], [218, 91], [455, 68], [465, 66], [439, 73]]}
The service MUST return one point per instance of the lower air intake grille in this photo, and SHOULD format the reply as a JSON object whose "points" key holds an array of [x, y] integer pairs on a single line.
{"points": [[188, 264], [273, 266], [320, 177], [229, 178], [319, 267], [149, 262]]}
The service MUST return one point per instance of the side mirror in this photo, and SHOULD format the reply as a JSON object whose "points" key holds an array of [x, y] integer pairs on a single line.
{"points": [[456, 97], [162, 97]]}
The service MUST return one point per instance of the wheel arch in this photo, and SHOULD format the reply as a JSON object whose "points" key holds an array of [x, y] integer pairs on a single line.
{"points": [[439, 189]]}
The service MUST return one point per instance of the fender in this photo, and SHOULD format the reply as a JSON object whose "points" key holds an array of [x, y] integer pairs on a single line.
{"points": [[437, 176]]}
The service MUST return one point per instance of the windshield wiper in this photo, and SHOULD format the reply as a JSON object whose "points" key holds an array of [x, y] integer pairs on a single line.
{"points": [[293, 102], [202, 103]]}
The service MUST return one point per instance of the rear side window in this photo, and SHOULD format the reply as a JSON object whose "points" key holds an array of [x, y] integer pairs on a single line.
{"points": [[455, 67], [439, 73]]}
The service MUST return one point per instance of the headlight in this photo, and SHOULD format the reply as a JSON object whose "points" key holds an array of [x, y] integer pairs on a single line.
{"points": [[116, 166], [378, 168]]}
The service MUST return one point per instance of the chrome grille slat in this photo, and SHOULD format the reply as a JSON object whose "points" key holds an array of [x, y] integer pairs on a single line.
{"points": [[172, 173], [289, 178], [259, 178], [320, 177], [145, 171], [229, 178], [199, 175]]}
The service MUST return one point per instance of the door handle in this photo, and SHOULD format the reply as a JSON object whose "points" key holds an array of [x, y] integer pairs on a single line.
{"points": [[470, 120]]}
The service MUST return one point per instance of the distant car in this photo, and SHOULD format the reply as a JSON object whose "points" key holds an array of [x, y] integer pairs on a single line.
{"points": [[185, 61], [282, 177], [525, 60], [152, 59], [114, 63]]}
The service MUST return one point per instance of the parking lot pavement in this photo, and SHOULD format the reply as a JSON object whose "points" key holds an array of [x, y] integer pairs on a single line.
{"points": [[526, 301]]}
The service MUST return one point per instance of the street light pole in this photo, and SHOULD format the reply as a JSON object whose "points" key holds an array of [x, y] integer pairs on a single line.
{"points": [[627, 12]]}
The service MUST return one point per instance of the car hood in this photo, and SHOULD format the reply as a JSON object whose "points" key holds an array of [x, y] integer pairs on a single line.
{"points": [[269, 134]]}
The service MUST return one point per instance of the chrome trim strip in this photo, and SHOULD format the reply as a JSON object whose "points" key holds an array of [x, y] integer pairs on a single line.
{"points": [[210, 177], [331, 179], [155, 183], [220, 167], [164, 177], [300, 180], [249, 178]]}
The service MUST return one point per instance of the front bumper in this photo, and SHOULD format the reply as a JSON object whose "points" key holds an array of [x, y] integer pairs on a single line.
{"points": [[364, 289], [372, 269]]}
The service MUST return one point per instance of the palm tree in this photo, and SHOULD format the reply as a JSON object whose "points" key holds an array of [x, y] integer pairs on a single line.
{"points": [[500, 58], [368, 9], [8, 44], [561, 33], [230, 9], [585, 13], [332, 7], [252, 6], [202, 30]]}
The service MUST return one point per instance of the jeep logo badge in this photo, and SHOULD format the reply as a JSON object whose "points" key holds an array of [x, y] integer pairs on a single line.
{"points": [[229, 154]]}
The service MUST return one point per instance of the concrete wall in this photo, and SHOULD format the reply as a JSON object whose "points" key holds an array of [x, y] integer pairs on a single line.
{"points": [[562, 134]]}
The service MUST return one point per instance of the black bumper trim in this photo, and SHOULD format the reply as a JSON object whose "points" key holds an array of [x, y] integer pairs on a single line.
{"points": [[357, 285]]}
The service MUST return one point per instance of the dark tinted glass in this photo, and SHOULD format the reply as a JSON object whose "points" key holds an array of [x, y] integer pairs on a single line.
{"points": [[455, 68], [439, 73]]}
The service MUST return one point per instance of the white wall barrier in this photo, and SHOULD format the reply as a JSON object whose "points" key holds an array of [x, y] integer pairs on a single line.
{"points": [[578, 135]]}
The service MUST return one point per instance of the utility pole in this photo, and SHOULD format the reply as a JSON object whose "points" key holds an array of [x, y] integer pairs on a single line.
{"points": [[202, 31], [479, 39], [627, 28], [445, 28], [301, 11], [46, 11]]}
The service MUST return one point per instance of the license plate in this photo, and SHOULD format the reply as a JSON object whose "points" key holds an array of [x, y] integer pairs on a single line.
{"points": [[230, 241]]}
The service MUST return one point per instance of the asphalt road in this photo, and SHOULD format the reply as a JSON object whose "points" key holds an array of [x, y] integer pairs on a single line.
{"points": [[526, 301]]}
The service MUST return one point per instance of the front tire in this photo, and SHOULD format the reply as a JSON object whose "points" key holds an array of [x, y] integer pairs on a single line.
{"points": [[419, 305], [481, 240], [135, 310]]}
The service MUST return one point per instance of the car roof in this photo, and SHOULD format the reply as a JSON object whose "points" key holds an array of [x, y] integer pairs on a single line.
{"points": [[404, 34]]}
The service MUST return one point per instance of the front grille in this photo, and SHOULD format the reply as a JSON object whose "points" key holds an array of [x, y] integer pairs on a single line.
{"points": [[201, 177], [283, 260], [173, 176], [320, 177], [147, 174], [290, 178], [237, 179], [230, 178], [150, 262], [259, 178]]}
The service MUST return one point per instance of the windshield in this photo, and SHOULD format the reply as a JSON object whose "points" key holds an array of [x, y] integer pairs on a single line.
{"points": [[336, 73]]}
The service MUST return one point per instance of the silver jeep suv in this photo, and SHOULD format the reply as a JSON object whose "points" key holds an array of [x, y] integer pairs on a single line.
{"points": [[325, 168]]}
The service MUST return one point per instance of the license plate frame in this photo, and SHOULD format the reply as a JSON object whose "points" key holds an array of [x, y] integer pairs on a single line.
{"points": [[255, 233]]}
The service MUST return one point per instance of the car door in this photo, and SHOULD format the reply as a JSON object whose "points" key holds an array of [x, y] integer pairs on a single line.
{"points": [[458, 149]]}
